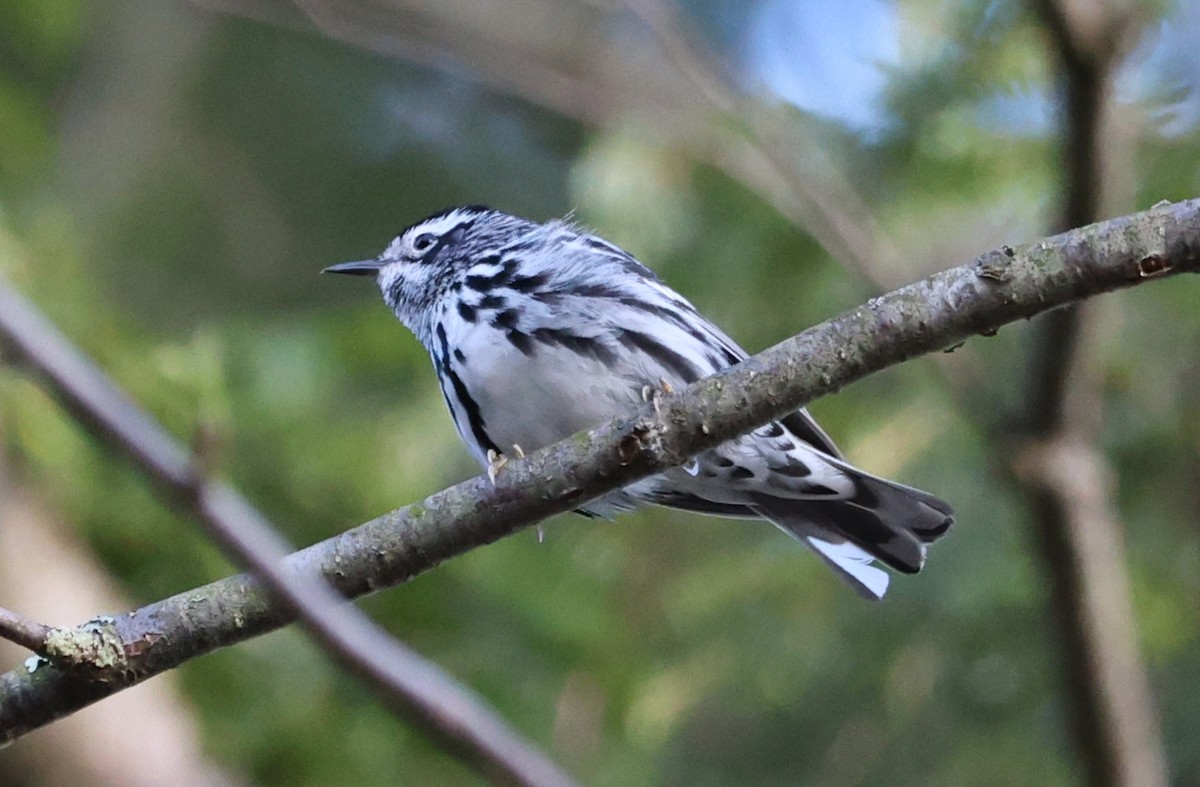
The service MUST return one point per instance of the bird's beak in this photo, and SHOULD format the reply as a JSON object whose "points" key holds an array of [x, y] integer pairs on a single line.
{"points": [[356, 268]]}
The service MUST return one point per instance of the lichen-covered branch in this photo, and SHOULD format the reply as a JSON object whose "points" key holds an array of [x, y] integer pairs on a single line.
{"points": [[934, 314], [95, 652]]}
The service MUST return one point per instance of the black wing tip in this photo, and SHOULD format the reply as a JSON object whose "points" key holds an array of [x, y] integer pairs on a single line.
{"points": [[931, 534]]}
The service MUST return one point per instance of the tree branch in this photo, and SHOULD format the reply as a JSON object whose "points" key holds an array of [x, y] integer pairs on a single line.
{"points": [[455, 718], [939, 312], [27, 633]]}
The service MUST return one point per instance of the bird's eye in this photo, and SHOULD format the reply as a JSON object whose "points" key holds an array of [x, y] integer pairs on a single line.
{"points": [[424, 242]]}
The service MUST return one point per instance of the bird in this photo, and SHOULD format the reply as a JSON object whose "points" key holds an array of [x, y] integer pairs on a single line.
{"points": [[538, 330]]}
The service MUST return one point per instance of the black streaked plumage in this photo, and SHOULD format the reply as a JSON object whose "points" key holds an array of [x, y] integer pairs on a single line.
{"points": [[461, 395], [675, 362], [540, 330]]}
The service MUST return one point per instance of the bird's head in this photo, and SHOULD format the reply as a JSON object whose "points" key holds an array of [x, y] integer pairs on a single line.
{"points": [[429, 261]]}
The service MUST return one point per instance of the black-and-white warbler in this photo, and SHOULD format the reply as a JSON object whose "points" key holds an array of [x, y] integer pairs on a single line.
{"points": [[540, 330]]}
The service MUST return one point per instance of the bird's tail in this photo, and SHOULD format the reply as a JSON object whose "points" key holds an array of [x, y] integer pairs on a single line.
{"points": [[881, 520]]}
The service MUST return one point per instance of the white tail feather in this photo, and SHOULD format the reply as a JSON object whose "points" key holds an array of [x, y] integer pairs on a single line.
{"points": [[854, 564]]}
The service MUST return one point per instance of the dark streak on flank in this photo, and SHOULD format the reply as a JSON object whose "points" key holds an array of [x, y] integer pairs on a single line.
{"points": [[522, 342], [688, 324], [594, 290], [552, 337], [731, 356], [689, 321], [670, 359], [529, 284], [580, 345], [467, 311], [506, 320], [469, 405]]}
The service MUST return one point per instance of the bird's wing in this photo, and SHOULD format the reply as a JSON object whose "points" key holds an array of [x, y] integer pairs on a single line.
{"points": [[811, 494]]}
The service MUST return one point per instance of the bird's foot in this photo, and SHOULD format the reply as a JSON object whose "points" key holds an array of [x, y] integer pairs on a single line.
{"points": [[654, 395], [497, 460]]}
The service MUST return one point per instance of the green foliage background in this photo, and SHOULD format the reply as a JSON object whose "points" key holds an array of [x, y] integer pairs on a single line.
{"points": [[172, 181]]}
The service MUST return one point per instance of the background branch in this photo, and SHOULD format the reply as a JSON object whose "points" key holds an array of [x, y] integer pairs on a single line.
{"points": [[1057, 465], [27, 633], [939, 312], [678, 87]]}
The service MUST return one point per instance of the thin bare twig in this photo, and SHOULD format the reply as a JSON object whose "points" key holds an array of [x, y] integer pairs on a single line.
{"points": [[716, 122], [27, 633], [687, 94], [998, 288], [788, 170], [453, 716]]}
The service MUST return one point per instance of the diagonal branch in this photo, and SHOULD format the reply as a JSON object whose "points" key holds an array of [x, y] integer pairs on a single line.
{"points": [[936, 313], [27, 633], [417, 689]]}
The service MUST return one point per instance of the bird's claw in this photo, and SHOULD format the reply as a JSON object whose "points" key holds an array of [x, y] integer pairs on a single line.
{"points": [[495, 462], [654, 394]]}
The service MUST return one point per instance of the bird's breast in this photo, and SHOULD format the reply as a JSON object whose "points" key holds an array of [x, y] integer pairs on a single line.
{"points": [[532, 392]]}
